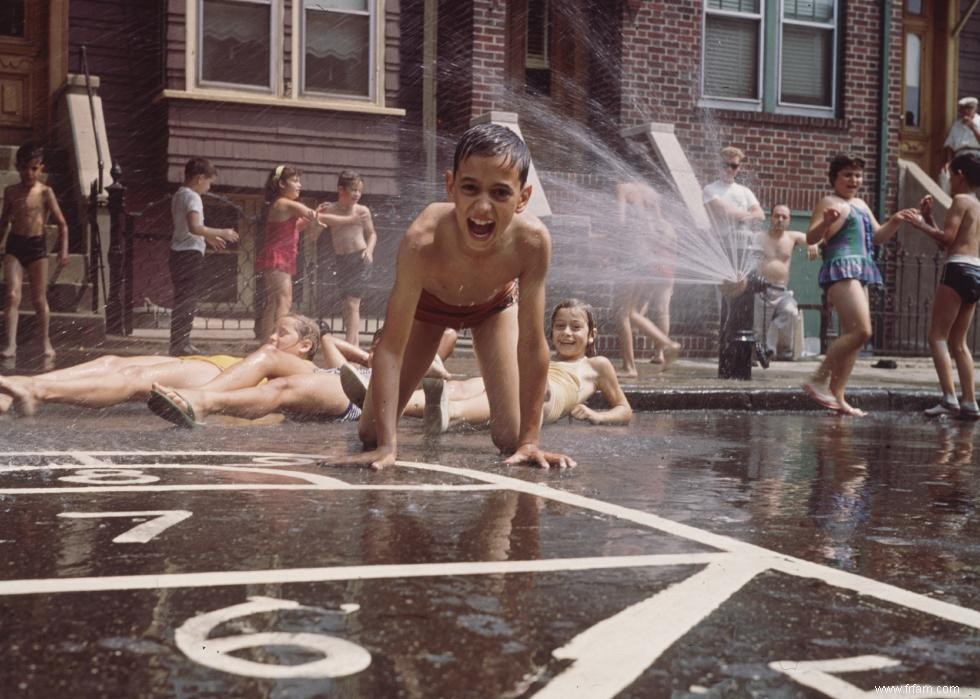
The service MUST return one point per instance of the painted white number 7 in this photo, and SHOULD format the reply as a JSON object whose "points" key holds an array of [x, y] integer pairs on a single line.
{"points": [[142, 532]]}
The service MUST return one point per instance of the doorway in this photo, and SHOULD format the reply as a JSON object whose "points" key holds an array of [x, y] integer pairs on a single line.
{"points": [[23, 71]]}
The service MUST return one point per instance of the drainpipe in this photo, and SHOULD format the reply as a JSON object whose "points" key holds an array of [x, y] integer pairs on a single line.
{"points": [[886, 37]]}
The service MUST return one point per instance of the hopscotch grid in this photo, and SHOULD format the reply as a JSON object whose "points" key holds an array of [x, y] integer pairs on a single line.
{"points": [[764, 559], [746, 560]]}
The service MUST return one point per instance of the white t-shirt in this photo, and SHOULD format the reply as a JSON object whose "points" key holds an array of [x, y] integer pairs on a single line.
{"points": [[960, 135], [186, 200], [737, 197]]}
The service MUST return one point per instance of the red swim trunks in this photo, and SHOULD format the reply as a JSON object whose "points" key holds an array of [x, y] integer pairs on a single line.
{"points": [[280, 247], [431, 309]]}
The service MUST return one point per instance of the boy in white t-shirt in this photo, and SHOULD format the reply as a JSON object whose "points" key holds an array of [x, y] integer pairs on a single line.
{"points": [[187, 250]]}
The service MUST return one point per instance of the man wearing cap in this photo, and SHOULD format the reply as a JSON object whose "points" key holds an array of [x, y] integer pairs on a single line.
{"points": [[963, 137]]}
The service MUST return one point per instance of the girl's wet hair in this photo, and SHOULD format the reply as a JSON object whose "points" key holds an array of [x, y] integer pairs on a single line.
{"points": [[576, 304], [307, 329], [968, 164], [843, 161], [280, 174], [492, 140]]}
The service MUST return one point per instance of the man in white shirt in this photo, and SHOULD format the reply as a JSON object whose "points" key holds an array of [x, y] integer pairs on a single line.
{"points": [[732, 206], [963, 137]]}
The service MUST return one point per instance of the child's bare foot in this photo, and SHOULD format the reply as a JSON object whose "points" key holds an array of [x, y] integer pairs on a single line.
{"points": [[627, 372], [848, 409], [437, 370], [658, 357], [49, 352], [821, 395], [5, 403], [22, 398], [671, 352]]}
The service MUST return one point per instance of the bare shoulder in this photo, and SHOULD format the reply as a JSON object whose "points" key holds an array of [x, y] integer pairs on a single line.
{"points": [[422, 231], [602, 365], [361, 208], [529, 230], [967, 201]]}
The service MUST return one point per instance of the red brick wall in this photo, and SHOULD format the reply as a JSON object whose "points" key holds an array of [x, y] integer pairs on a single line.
{"points": [[787, 155]]}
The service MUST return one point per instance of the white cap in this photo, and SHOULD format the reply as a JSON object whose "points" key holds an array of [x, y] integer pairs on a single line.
{"points": [[967, 102]]}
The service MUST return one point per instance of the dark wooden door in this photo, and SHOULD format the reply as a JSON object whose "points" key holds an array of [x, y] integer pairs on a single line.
{"points": [[23, 70]]}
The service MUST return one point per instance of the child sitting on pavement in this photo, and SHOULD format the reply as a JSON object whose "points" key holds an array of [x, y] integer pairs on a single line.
{"points": [[959, 287], [459, 265]]}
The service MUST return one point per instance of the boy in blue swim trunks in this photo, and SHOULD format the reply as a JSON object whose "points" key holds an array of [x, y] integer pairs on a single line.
{"points": [[959, 286]]}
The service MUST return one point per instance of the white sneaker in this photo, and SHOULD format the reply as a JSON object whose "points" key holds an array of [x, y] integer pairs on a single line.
{"points": [[435, 415], [354, 383], [942, 408]]}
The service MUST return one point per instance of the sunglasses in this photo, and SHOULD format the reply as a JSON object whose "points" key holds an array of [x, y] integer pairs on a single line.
{"points": [[733, 166]]}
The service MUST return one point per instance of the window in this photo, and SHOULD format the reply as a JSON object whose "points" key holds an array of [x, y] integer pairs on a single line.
{"points": [[309, 52], [337, 47], [771, 55], [12, 18], [537, 54], [236, 43]]}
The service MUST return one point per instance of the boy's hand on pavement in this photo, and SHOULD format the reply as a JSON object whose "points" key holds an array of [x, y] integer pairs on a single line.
{"points": [[534, 455]]}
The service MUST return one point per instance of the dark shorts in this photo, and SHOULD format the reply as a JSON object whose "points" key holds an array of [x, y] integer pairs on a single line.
{"points": [[352, 275], [27, 249], [964, 279]]}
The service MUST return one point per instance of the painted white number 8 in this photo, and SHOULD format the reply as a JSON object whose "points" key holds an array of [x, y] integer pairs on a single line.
{"points": [[340, 657]]}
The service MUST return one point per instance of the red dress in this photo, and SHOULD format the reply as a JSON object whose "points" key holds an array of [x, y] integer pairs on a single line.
{"points": [[279, 250]]}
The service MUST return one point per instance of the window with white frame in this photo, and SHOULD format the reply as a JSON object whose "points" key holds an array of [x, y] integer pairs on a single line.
{"points": [[329, 52], [771, 55]]}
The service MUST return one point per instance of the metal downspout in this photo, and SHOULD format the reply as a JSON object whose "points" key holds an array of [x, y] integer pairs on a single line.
{"points": [[886, 36]]}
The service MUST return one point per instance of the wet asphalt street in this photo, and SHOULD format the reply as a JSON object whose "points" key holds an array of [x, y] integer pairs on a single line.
{"points": [[709, 553]]}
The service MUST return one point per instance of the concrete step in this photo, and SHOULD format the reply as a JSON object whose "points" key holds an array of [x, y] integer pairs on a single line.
{"points": [[67, 330]]}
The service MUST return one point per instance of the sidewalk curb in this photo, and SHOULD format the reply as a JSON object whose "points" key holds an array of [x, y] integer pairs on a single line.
{"points": [[875, 399]]}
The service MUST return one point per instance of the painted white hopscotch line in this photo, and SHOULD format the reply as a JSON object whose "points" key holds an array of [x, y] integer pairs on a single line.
{"points": [[606, 657], [144, 531], [118, 583]]}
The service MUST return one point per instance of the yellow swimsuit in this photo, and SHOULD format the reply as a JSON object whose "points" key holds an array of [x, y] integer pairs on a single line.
{"points": [[563, 385], [222, 361]]}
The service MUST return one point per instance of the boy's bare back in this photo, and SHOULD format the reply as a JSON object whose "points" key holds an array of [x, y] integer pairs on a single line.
{"points": [[27, 208], [967, 240]]}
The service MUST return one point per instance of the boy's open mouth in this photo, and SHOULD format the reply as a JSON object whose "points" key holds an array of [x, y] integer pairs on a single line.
{"points": [[480, 229]]}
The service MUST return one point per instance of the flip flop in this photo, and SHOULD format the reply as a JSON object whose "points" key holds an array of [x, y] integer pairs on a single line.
{"points": [[164, 407], [823, 399], [354, 384]]}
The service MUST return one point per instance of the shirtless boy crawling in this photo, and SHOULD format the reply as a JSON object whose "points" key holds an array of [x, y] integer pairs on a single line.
{"points": [[460, 265]]}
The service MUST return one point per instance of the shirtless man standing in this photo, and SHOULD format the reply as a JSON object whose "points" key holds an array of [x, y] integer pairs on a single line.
{"points": [[27, 206], [959, 287], [353, 246], [776, 309]]}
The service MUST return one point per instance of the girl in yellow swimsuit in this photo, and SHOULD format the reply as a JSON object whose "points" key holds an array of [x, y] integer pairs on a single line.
{"points": [[111, 379], [574, 375]]}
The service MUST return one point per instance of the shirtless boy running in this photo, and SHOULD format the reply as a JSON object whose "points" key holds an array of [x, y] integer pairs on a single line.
{"points": [[959, 286], [460, 265], [27, 206]]}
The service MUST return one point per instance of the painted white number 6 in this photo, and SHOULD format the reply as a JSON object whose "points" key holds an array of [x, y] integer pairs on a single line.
{"points": [[110, 476], [340, 657]]}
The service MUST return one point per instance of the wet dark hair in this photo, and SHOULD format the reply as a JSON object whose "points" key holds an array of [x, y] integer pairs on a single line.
{"points": [[28, 152], [199, 166], [307, 329], [969, 165], [279, 174], [348, 178], [490, 140], [843, 161], [576, 304]]}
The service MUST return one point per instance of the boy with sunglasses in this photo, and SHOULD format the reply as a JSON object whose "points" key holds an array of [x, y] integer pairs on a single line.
{"points": [[27, 206], [732, 206]]}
